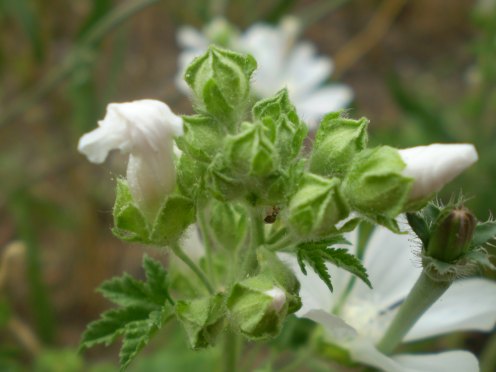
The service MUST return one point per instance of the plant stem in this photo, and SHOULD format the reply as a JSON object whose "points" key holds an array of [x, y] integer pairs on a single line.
{"points": [[488, 356], [257, 238], [199, 273], [207, 240], [232, 346], [63, 70], [425, 292]]}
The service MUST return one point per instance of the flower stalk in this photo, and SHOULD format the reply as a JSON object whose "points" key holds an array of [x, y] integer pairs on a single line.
{"points": [[422, 296]]}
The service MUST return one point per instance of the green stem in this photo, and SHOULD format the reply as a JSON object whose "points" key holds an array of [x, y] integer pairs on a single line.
{"points": [[199, 273], [63, 70], [257, 238], [232, 347], [488, 356], [207, 240], [425, 292]]}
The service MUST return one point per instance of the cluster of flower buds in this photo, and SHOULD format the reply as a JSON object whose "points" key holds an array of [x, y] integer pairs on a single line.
{"points": [[236, 158]]}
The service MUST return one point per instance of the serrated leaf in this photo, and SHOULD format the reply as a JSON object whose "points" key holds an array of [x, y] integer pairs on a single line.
{"points": [[138, 334], [145, 306], [316, 254], [484, 232], [157, 283], [314, 259], [111, 325]]}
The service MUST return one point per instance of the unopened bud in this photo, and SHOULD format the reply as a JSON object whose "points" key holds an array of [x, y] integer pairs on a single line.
{"points": [[451, 235]]}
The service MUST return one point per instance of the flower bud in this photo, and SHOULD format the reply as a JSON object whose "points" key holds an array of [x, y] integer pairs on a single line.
{"points": [[258, 307], [337, 141], [145, 129], [285, 128], [451, 235], [435, 165], [202, 319], [316, 206], [220, 80], [251, 152], [375, 183]]}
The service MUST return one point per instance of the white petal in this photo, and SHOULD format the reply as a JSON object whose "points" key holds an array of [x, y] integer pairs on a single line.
{"points": [[278, 298], [336, 328], [330, 98], [363, 351], [305, 71], [469, 304], [190, 38], [435, 165], [192, 243], [391, 266], [449, 361]]}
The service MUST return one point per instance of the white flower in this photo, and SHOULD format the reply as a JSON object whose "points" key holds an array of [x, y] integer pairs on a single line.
{"points": [[363, 317], [435, 165], [282, 62], [278, 298], [145, 130]]}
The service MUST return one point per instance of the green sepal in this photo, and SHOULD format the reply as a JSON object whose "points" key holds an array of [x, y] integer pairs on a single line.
{"points": [[190, 176], [316, 206], [221, 181], [129, 223], [375, 185], [176, 214], [251, 153], [220, 80], [202, 319], [337, 141], [227, 224], [286, 130], [484, 233], [283, 276], [202, 138], [252, 310]]}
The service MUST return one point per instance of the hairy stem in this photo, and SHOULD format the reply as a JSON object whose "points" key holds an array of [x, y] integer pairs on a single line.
{"points": [[232, 346], [423, 295], [199, 273]]}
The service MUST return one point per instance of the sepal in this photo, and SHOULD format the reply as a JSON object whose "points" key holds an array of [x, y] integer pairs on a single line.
{"points": [[337, 141], [202, 319], [220, 80], [316, 206]]}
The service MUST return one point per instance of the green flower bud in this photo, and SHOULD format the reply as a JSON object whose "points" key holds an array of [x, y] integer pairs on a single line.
{"points": [[316, 206], [251, 153], [220, 80], [227, 224], [451, 234], [202, 319], [337, 141], [190, 175], [258, 307], [375, 184], [202, 137], [286, 129], [221, 181]]}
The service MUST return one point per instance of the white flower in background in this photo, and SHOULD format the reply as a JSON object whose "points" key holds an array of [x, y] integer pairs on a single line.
{"points": [[435, 165], [282, 62], [145, 130], [358, 323]]}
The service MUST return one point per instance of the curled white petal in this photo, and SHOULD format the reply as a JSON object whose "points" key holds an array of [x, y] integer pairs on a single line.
{"points": [[145, 129], [435, 165], [278, 298]]}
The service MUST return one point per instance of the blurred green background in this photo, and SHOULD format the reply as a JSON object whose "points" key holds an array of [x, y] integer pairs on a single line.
{"points": [[422, 71]]}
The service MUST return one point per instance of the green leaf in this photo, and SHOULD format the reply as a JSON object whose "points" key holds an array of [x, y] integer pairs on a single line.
{"points": [[484, 232], [177, 213], [145, 307], [129, 223], [316, 254]]}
